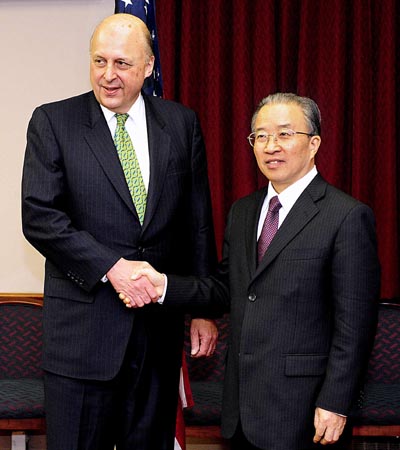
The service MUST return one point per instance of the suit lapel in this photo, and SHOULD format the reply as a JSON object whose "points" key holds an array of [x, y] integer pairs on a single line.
{"points": [[252, 217], [302, 212], [159, 152], [100, 141]]}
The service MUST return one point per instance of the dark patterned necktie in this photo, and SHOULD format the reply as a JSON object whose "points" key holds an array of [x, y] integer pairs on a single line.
{"points": [[130, 165], [269, 228]]}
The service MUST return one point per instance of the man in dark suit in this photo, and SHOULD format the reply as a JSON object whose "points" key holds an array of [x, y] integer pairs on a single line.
{"points": [[112, 374], [303, 314]]}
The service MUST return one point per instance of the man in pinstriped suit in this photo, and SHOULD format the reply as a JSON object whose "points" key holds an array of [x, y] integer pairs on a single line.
{"points": [[302, 318], [112, 373]]}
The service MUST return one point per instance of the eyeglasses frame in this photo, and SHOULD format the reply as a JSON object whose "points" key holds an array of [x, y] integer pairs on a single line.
{"points": [[275, 136]]}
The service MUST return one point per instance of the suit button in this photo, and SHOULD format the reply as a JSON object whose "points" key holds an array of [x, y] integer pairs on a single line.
{"points": [[252, 297]]}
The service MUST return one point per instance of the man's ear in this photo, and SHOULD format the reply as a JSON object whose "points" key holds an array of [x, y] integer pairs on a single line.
{"points": [[149, 66], [315, 142]]}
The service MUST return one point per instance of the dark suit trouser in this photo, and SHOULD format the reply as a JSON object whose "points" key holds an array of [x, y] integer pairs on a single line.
{"points": [[134, 411]]}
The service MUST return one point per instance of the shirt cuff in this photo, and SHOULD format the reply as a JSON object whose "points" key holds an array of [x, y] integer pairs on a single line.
{"points": [[162, 298]]}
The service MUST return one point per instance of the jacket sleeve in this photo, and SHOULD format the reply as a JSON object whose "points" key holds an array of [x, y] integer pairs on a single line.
{"points": [[203, 295], [45, 220], [355, 284]]}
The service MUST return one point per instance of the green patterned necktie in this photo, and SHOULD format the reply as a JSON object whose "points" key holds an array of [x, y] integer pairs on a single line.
{"points": [[130, 165]]}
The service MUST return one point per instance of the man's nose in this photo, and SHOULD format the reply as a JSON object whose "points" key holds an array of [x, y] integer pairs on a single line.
{"points": [[272, 143], [109, 72]]}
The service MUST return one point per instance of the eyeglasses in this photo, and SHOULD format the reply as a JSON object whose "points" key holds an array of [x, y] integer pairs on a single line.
{"points": [[283, 136]]}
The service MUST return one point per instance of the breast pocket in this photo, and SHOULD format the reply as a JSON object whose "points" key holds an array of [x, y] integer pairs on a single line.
{"points": [[304, 254]]}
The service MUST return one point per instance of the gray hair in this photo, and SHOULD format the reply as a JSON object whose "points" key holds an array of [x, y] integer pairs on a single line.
{"points": [[310, 109]]}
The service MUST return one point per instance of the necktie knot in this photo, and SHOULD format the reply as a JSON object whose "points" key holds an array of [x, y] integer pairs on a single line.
{"points": [[274, 204], [121, 119]]}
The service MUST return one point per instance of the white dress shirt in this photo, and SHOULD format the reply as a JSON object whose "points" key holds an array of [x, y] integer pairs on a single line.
{"points": [[136, 126], [287, 198]]}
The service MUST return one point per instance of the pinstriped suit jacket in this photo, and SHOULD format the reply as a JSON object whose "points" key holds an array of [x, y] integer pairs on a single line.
{"points": [[301, 321], [77, 211]]}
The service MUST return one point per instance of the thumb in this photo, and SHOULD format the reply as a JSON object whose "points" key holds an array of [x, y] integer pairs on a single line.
{"points": [[195, 344]]}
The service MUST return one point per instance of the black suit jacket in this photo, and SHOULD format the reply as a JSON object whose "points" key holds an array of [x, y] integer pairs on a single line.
{"points": [[77, 211], [302, 321]]}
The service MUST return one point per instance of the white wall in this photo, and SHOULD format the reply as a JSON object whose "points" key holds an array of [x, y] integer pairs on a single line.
{"points": [[43, 57]]}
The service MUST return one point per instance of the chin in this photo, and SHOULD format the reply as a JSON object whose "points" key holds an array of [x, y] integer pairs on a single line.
{"points": [[110, 104]]}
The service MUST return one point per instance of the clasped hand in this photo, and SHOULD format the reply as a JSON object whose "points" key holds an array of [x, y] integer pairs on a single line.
{"points": [[136, 282]]}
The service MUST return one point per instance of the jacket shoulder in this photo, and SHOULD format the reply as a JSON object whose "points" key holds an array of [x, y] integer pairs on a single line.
{"points": [[73, 110], [67, 103], [250, 199], [167, 107], [332, 199]]}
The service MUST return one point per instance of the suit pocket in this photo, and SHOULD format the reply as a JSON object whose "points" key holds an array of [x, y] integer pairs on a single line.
{"points": [[305, 365], [63, 288], [301, 254]]}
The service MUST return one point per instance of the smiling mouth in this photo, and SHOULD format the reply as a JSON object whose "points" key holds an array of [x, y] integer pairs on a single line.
{"points": [[111, 89]]}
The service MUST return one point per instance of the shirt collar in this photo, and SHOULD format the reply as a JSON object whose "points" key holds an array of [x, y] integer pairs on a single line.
{"points": [[135, 110], [289, 195]]}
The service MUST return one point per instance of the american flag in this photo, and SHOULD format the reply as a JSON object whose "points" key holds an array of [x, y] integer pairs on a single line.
{"points": [[146, 10]]}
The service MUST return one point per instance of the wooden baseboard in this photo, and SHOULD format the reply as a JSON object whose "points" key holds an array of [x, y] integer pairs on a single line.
{"points": [[20, 295], [17, 297], [38, 425], [212, 431], [377, 430]]}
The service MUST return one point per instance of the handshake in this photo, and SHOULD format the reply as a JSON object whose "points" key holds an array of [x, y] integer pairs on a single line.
{"points": [[136, 282]]}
